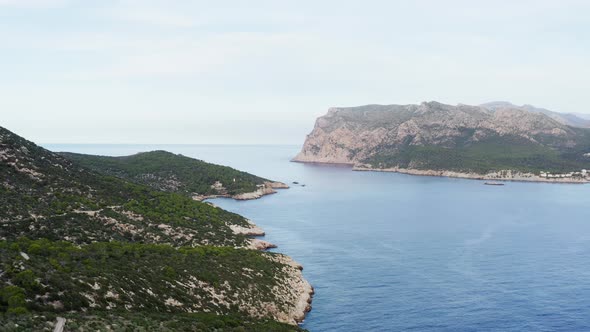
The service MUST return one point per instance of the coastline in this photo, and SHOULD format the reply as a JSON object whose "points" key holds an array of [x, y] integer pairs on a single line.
{"points": [[302, 291], [506, 175], [299, 290], [267, 188], [300, 160], [497, 176]]}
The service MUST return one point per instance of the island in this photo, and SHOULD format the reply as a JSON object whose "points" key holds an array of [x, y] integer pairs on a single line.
{"points": [[95, 251], [499, 141]]}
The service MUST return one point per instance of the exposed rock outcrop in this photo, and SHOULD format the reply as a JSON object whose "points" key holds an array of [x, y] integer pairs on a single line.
{"points": [[250, 230], [258, 244], [267, 188], [300, 292]]}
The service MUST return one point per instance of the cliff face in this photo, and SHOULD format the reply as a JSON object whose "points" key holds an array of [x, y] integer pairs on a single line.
{"points": [[399, 135]]}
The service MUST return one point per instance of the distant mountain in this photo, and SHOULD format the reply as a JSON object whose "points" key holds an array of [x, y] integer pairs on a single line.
{"points": [[106, 253], [166, 171], [582, 115], [434, 136], [570, 119]]}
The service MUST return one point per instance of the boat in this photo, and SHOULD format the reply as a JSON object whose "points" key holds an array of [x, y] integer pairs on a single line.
{"points": [[493, 183]]}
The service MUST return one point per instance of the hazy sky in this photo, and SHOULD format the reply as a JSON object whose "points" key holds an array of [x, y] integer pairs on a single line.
{"points": [[261, 71]]}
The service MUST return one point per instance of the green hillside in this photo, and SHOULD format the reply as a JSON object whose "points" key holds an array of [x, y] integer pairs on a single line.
{"points": [[171, 172], [58, 277], [492, 154], [144, 322]]}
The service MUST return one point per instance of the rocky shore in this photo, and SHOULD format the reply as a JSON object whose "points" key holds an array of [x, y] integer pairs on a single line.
{"points": [[294, 289], [300, 291], [250, 230], [267, 188], [258, 244], [506, 175]]}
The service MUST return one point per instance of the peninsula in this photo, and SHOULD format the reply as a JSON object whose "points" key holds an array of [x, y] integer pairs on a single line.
{"points": [[176, 173], [95, 251]]}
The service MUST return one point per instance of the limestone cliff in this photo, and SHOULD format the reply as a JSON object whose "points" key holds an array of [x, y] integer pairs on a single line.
{"points": [[438, 136]]}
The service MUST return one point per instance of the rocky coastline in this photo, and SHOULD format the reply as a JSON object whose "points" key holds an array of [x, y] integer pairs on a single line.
{"points": [[301, 292], [297, 291], [267, 188], [506, 175], [294, 289]]}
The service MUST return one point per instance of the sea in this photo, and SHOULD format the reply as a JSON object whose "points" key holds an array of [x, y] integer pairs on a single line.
{"points": [[396, 252]]}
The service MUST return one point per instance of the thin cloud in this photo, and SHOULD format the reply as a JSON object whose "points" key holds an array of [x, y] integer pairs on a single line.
{"points": [[154, 17], [33, 3]]}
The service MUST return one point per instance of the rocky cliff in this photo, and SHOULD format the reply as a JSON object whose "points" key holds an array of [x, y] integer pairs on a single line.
{"points": [[438, 136]]}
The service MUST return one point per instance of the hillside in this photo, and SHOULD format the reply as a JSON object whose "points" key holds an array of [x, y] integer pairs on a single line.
{"points": [[40, 189], [437, 137], [166, 171], [76, 243]]}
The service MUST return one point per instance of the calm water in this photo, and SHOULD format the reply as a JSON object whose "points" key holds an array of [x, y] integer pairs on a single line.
{"points": [[393, 252]]}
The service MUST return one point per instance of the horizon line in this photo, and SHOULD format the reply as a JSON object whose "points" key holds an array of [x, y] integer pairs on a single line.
{"points": [[180, 144]]}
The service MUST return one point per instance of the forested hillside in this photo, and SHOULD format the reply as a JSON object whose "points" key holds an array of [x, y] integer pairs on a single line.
{"points": [[171, 172]]}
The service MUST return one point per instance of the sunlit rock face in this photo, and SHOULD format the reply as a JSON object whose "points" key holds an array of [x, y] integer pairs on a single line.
{"points": [[352, 135]]}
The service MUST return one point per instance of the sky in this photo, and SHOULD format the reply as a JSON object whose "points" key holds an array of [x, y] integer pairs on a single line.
{"points": [[261, 72]]}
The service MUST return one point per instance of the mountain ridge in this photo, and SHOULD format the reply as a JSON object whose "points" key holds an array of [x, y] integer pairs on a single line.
{"points": [[570, 119]]}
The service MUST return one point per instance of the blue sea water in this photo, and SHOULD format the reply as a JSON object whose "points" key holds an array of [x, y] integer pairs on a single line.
{"points": [[394, 252]]}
